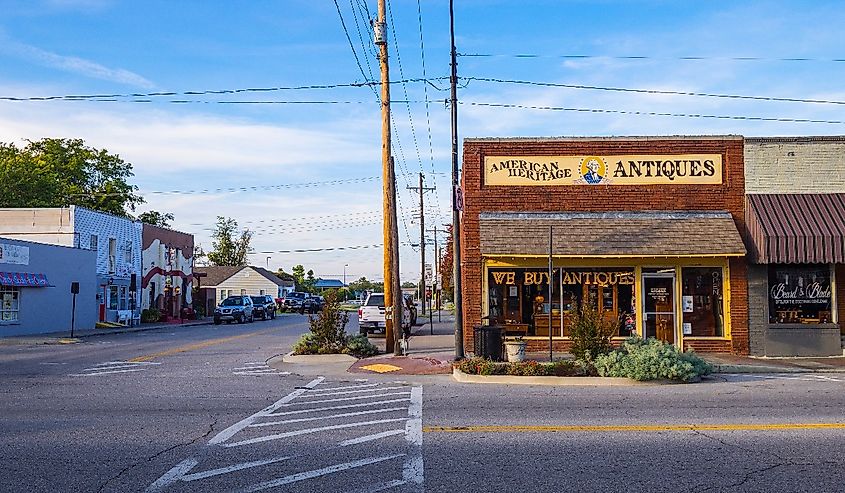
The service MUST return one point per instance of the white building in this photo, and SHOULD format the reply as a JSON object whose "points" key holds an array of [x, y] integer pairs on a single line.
{"points": [[117, 241]]}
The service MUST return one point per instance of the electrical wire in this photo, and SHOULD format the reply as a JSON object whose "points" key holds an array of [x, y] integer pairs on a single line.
{"points": [[655, 91], [644, 57], [354, 52], [652, 113]]}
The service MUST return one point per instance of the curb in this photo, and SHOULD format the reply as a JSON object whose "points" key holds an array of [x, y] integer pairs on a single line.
{"points": [[318, 359], [770, 369], [462, 377]]}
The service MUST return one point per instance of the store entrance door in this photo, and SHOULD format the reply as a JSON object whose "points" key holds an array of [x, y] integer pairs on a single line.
{"points": [[659, 306]]}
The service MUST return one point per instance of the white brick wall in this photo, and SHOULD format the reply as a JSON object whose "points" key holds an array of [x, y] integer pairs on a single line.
{"points": [[795, 165], [106, 226]]}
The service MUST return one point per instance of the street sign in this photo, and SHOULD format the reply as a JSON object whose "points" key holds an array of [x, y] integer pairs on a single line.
{"points": [[429, 275]]}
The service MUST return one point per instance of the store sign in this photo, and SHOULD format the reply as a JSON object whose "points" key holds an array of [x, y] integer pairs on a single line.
{"points": [[569, 277], [14, 254], [674, 169]]}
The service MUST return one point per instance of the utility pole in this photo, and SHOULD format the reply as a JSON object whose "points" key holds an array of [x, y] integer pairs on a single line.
{"points": [[436, 271], [422, 191], [456, 196], [392, 290]]}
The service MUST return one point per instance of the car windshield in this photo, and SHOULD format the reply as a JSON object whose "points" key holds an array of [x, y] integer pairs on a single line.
{"points": [[258, 299], [233, 302], [375, 300], [296, 295]]}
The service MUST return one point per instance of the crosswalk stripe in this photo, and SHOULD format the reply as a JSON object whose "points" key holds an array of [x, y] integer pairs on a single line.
{"points": [[308, 431], [333, 416]]}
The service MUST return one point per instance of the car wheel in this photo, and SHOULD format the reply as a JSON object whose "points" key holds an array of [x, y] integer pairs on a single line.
{"points": [[217, 321], [362, 331], [241, 318]]}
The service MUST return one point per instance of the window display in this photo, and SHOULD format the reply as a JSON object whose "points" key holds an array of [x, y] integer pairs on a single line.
{"points": [[800, 294], [702, 299], [9, 304]]}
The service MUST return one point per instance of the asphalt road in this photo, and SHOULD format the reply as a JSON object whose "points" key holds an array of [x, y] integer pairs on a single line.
{"points": [[197, 409]]}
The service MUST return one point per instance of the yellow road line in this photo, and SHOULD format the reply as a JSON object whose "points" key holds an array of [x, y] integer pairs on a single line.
{"points": [[633, 428], [194, 347]]}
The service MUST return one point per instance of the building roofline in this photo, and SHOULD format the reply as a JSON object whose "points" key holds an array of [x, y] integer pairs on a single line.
{"points": [[642, 138], [796, 140]]}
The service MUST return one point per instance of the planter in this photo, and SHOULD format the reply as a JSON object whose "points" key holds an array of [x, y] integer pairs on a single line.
{"points": [[516, 351]]}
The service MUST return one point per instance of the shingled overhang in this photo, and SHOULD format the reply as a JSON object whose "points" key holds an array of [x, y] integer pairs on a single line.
{"points": [[611, 234]]}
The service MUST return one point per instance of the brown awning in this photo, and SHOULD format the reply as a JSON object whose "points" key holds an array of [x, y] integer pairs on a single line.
{"points": [[796, 228], [611, 234]]}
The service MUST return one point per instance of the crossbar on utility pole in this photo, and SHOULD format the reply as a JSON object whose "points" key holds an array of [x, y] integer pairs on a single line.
{"points": [[392, 290], [422, 189]]}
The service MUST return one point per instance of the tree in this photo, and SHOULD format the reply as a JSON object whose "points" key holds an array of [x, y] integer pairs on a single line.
{"points": [[281, 274], [408, 284], [298, 273], [229, 249], [447, 267], [363, 284], [65, 172], [310, 281], [156, 218]]}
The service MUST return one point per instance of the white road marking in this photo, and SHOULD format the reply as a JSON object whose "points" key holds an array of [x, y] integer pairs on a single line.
{"points": [[370, 438], [94, 374], [349, 398], [240, 425], [413, 469], [293, 478], [308, 431], [345, 392], [332, 416], [134, 363], [343, 388], [237, 467], [332, 408], [173, 475]]}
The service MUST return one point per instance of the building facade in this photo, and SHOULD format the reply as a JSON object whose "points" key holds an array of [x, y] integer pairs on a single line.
{"points": [[646, 230], [167, 267], [220, 282], [796, 244], [115, 240], [36, 284]]}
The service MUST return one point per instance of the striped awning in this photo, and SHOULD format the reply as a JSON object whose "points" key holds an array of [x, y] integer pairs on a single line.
{"points": [[25, 279], [796, 228]]}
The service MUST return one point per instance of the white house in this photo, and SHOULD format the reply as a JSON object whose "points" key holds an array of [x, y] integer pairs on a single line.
{"points": [[117, 241], [220, 282]]}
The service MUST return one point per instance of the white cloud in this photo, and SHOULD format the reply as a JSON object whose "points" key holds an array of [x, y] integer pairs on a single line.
{"points": [[74, 64]]}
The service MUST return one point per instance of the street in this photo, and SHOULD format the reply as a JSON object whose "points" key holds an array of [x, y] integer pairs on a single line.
{"points": [[198, 409]]}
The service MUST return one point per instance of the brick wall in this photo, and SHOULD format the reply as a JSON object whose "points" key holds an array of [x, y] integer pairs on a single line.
{"points": [[758, 288], [840, 296], [729, 196], [795, 165]]}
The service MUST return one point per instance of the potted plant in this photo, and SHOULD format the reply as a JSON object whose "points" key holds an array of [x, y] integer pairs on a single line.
{"points": [[515, 349]]}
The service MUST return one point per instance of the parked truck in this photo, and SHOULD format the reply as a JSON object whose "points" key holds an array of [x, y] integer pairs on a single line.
{"points": [[371, 315]]}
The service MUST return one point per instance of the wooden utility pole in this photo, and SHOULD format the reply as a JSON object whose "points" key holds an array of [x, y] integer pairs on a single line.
{"points": [[457, 196], [392, 286], [422, 191]]}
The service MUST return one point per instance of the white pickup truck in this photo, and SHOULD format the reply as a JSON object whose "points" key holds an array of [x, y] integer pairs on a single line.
{"points": [[371, 315]]}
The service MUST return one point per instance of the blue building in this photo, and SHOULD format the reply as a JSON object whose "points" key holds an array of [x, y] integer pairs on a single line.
{"points": [[35, 287]]}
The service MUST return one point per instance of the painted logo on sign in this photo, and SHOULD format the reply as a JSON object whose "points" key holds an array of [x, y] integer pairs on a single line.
{"points": [[593, 170]]}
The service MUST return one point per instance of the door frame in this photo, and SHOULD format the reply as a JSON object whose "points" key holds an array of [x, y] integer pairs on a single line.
{"points": [[673, 276]]}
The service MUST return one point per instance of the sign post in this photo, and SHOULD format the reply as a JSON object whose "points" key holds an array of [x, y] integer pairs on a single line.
{"points": [[74, 290]]}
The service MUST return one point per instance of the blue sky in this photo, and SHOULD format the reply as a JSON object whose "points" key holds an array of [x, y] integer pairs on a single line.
{"points": [[72, 47]]}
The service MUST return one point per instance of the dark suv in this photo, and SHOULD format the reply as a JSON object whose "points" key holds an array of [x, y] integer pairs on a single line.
{"points": [[264, 306], [318, 303], [298, 301]]}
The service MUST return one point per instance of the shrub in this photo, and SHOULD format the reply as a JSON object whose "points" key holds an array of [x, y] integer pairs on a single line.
{"points": [[359, 346], [480, 366], [307, 344], [150, 315], [651, 359], [328, 328], [591, 332], [561, 368]]}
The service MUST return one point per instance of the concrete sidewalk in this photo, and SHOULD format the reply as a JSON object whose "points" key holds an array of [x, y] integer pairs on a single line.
{"points": [[732, 363], [63, 337]]}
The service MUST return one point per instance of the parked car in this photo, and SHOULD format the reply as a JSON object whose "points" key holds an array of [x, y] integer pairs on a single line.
{"points": [[264, 306], [371, 315], [298, 301], [318, 301], [234, 309]]}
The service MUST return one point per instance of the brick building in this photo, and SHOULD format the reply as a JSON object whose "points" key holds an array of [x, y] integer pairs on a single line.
{"points": [[796, 245], [644, 229]]}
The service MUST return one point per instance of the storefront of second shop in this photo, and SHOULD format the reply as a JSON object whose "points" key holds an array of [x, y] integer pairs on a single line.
{"points": [[644, 229]]}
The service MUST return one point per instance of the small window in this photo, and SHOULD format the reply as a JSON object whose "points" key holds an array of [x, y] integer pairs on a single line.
{"points": [[124, 300], [9, 304], [112, 255], [243, 292], [222, 294], [261, 292], [93, 243]]}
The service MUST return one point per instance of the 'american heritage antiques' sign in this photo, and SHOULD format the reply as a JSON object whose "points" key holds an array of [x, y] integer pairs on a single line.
{"points": [[675, 169]]}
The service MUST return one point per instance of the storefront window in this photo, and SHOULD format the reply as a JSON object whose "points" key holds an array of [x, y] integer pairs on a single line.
{"points": [[124, 304], [800, 294], [114, 299], [518, 298], [702, 302], [9, 303]]}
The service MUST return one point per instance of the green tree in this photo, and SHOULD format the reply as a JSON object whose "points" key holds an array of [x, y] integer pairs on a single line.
{"points": [[64, 172], [310, 281], [447, 267], [156, 218], [408, 284], [229, 247], [298, 273]]}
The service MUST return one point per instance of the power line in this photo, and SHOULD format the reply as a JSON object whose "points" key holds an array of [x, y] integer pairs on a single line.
{"points": [[257, 187], [354, 52], [645, 57], [653, 113], [655, 91], [215, 92]]}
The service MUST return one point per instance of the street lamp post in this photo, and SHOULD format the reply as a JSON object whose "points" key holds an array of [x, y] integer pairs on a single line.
{"points": [[344, 281]]}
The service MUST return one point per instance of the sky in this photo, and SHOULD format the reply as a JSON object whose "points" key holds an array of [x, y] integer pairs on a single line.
{"points": [[306, 163]]}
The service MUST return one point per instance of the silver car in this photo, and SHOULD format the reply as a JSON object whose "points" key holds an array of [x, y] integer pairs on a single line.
{"points": [[234, 309]]}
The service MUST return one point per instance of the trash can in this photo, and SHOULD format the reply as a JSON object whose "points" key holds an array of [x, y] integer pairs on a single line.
{"points": [[487, 342]]}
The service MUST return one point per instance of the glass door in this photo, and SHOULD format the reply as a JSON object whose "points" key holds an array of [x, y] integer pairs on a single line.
{"points": [[659, 306]]}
